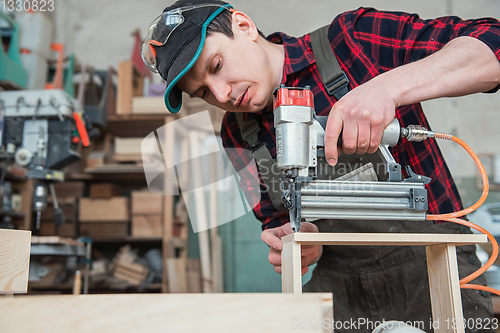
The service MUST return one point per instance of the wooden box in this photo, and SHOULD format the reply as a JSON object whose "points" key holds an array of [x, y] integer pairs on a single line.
{"points": [[104, 229], [145, 202], [114, 209], [104, 190], [49, 228], [146, 226], [72, 189]]}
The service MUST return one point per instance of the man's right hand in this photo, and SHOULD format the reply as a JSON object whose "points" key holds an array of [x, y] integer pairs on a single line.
{"points": [[310, 254]]}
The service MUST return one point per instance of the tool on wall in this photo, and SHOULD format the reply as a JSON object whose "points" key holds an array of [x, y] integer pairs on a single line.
{"points": [[42, 132]]}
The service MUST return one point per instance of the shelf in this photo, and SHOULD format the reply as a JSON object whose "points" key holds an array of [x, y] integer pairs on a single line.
{"points": [[95, 289], [115, 172], [12, 214], [134, 125], [126, 239], [57, 250], [115, 168]]}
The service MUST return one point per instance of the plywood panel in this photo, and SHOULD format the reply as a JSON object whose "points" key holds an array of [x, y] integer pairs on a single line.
{"points": [[14, 260], [217, 313]]}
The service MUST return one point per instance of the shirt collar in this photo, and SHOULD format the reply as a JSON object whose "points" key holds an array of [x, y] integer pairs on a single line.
{"points": [[298, 54]]}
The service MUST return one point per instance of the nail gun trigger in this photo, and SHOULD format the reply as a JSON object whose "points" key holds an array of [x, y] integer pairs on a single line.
{"points": [[414, 178]]}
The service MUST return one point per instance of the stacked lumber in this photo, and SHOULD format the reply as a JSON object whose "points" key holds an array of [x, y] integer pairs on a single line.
{"points": [[146, 214], [125, 266]]}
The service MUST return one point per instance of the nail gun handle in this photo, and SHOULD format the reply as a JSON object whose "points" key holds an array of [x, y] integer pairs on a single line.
{"points": [[391, 135]]}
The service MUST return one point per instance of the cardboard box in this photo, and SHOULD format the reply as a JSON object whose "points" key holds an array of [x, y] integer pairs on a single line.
{"points": [[104, 229], [114, 209], [145, 202], [104, 190], [146, 226]]}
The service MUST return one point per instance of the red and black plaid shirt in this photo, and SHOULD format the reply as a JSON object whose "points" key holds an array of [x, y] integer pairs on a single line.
{"points": [[367, 43]]}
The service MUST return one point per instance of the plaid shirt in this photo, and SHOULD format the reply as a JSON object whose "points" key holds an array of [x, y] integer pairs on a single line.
{"points": [[367, 43]]}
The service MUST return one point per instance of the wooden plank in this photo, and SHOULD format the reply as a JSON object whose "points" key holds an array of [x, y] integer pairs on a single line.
{"points": [[177, 275], [208, 313], [445, 288], [127, 158], [14, 260], [392, 239], [167, 207], [201, 215], [291, 274], [149, 105], [128, 145], [215, 239], [193, 272], [130, 84]]}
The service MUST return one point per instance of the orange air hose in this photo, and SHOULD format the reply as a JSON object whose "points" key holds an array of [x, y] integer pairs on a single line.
{"points": [[453, 217]]}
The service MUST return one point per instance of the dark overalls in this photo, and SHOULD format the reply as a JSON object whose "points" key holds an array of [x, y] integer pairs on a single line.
{"points": [[391, 282]]}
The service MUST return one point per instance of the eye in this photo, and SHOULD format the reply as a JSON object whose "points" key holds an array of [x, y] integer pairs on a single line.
{"points": [[218, 66], [204, 93]]}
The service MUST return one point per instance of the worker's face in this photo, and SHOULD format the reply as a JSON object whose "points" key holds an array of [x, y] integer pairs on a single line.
{"points": [[233, 74]]}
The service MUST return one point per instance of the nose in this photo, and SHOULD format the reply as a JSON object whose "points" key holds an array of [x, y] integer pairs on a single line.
{"points": [[220, 90]]}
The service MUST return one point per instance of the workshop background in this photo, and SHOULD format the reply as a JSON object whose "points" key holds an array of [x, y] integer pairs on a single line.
{"points": [[104, 196]]}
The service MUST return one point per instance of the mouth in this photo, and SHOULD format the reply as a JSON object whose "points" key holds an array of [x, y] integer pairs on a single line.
{"points": [[242, 101]]}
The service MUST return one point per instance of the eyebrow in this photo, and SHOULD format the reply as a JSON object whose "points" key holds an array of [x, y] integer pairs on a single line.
{"points": [[206, 68]]}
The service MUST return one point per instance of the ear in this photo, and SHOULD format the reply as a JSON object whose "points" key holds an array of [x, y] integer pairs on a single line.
{"points": [[244, 24]]}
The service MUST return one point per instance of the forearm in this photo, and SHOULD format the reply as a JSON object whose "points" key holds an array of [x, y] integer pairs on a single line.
{"points": [[464, 66]]}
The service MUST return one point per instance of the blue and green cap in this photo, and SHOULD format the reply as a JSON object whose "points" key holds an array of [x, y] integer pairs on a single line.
{"points": [[184, 44]]}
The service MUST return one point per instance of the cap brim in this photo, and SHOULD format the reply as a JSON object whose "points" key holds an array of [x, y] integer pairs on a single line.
{"points": [[182, 64], [190, 54]]}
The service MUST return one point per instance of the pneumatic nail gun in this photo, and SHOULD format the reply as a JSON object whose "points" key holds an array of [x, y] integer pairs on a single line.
{"points": [[299, 149]]}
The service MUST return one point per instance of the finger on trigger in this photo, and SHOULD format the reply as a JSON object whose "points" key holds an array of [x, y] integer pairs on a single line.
{"points": [[332, 131]]}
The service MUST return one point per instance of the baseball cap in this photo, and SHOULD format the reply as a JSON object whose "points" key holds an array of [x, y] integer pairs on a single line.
{"points": [[175, 41]]}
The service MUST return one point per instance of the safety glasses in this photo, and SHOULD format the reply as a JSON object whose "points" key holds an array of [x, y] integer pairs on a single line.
{"points": [[160, 31]]}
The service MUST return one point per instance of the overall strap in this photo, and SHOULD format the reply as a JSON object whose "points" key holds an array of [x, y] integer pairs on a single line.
{"points": [[249, 131], [334, 78]]}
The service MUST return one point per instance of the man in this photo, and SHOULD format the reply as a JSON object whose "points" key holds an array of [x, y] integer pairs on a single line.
{"points": [[393, 61]]}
